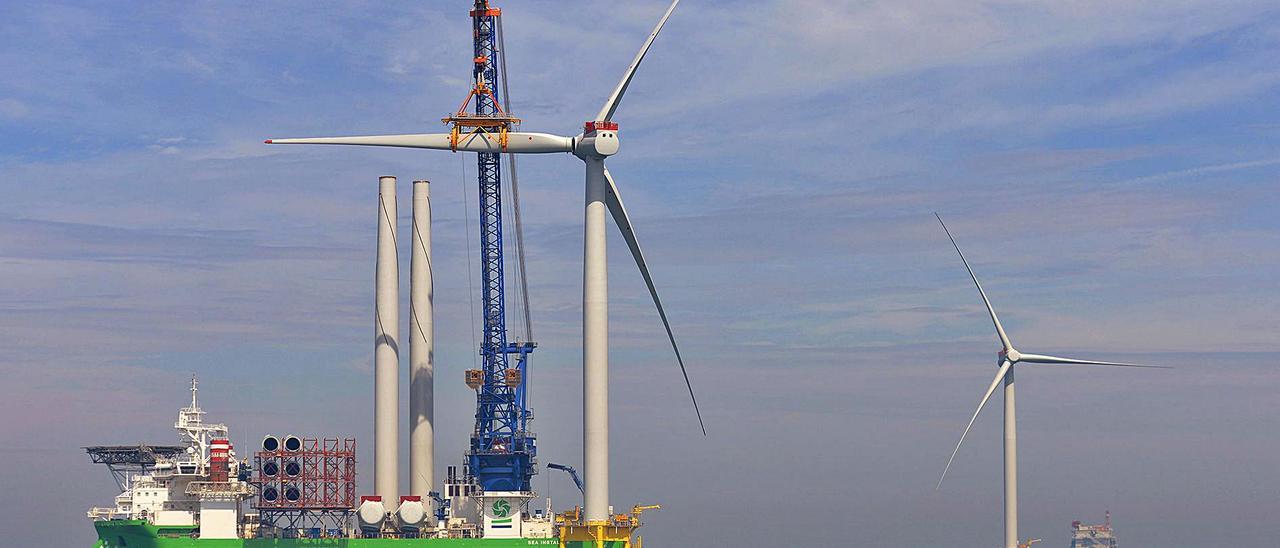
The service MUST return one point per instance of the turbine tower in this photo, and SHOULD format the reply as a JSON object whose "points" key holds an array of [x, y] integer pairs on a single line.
{"points": [[1008, 357], [597, 141], [386, 357], [421, 347]]}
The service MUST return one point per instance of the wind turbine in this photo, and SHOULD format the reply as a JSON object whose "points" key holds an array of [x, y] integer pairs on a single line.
{"points": [[1008, 358], [598, 141]]}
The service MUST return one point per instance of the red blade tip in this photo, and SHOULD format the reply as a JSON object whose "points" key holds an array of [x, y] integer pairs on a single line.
{"points": [[268, 141]]}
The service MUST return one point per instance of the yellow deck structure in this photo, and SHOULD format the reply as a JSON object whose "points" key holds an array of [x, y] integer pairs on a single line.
{"points": [[615, 532]]}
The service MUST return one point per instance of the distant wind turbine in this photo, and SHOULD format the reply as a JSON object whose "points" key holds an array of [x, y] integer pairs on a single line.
{"points": [[1008, 357]]}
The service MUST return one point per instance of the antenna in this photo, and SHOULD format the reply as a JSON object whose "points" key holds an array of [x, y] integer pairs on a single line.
{"points": [[194, 382]]}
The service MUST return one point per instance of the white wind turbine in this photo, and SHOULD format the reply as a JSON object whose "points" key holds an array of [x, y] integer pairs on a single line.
{"points": [[1008, 358], [598, 140]]}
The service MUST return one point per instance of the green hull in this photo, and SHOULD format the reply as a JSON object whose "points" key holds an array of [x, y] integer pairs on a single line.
{"points": [[140, 534]]}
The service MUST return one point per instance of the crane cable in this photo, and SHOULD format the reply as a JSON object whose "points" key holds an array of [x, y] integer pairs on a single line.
{"points": [[515, 197], [466, 227]]}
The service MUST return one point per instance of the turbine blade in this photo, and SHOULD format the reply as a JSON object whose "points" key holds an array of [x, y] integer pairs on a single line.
{"points": [[1038, 358], [1004, 369], [517, 142], [614, 201], [424, 140], [611, 105], [1004, 338]]}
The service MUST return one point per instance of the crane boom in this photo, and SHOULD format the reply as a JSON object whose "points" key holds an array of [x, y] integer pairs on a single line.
{"points": [[573, 473], [502, 452]]}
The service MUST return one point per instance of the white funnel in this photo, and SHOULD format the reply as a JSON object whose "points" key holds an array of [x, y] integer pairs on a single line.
{"points": [[421, 348], [386, 351]]}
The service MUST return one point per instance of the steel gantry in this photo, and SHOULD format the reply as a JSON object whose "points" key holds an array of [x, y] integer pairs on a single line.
{"points": [[503, 450]]}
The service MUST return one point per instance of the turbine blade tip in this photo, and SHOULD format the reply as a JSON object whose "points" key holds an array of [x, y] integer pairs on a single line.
{"points": [[268, 141]]}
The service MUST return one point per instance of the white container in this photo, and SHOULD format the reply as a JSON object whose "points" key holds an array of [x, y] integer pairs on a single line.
{"points": [[411, 515], [371, 515]]}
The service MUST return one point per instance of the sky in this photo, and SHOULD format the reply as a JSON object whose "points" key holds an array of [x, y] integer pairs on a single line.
{"points": [[1111, 169]]}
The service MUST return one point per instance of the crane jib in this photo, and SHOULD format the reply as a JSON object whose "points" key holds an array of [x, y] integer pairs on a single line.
{"points": [[502, 449]]}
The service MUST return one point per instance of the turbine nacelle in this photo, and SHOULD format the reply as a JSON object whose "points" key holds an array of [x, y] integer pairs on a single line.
{"points": [[599, 140]]}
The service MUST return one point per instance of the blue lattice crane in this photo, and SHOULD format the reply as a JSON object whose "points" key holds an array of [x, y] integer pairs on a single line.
{"points": [[502, 452]]}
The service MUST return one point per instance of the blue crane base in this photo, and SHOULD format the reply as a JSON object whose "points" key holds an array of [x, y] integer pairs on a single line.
{"points": [[505, 459]]}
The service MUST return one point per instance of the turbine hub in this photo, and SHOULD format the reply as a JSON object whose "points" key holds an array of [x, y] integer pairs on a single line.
{"points": [[1012, 355], [599, 140]]}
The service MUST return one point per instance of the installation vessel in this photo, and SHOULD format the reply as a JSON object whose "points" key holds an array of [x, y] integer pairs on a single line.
{"points": [[302, 491]]}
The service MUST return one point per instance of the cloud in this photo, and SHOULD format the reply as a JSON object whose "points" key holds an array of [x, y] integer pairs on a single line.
{"points": [[13, 108], [1204, 170], [50, 240]]}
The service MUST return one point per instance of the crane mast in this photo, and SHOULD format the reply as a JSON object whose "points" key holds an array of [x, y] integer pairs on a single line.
{"points": [[502, 452]]}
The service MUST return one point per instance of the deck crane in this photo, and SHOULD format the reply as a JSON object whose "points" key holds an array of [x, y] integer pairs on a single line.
{"points": [[502, 453], [573, 473]]}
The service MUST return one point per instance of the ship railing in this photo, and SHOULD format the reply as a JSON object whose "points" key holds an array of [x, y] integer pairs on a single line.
{"points": [[225, 488], [98, 513]]}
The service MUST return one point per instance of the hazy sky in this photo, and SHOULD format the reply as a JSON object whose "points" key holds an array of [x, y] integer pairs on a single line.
{"points": [[1112, 170]]}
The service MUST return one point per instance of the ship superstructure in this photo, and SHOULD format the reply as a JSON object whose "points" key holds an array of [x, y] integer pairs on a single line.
{"points": [[1093, 536], [295, 491], [196, 485]]}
